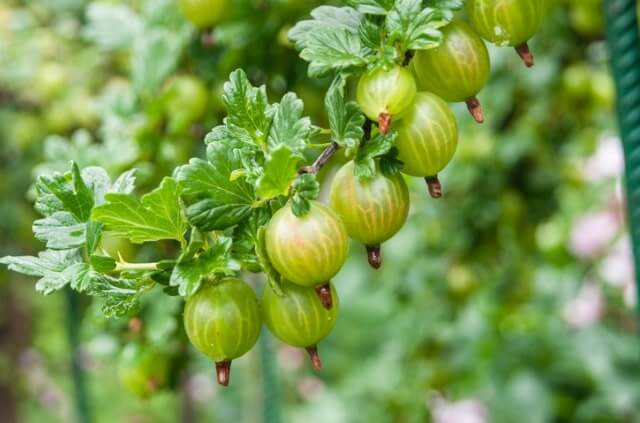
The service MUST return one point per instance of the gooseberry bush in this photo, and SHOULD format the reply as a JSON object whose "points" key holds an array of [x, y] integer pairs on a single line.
{"points": [[251, 204]]}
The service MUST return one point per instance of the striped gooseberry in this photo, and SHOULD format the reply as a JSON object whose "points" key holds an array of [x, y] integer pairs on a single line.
{"points": [[308, 250], [373, 210], [142, 369], [427, 139], [384, 94], [457, 69], [508, 22], [204, 13], [298, 318], [222, 320]]}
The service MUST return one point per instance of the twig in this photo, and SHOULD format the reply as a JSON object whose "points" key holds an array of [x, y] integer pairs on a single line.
{"points": [[322, 160]]}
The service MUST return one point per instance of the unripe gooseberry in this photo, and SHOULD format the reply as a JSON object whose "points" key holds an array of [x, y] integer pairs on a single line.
{"points": [[222, 320], [142, 369], [427, 139], [373, 210], [204, 13], [298, 318], [457, 69], [508, 22], [308, 250], [385, 94]]}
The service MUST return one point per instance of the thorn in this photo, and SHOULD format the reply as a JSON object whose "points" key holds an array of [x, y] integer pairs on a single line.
{"points": [[324, 293], [315, 357], [475, 108], [384, 122], [374, 256], [525, 54], [435, 188], [223, 372]]}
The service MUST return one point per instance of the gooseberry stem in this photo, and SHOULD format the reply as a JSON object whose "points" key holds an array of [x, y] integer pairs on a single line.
{"points": [[322, 159], [475, 108], [223, 372], [324, 293], [525, 54], [374, 256], [408, 55], [435, 188], [314, 356]]}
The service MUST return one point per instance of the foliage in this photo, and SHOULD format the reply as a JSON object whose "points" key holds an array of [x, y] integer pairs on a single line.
{"points": [[470, 301]]}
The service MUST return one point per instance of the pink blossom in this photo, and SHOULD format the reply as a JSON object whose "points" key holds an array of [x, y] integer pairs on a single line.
{"points": [[586, 309], [606, 162], [465, 411], [591, 233]]}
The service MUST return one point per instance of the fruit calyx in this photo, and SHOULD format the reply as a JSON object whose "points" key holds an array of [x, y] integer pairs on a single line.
{"points": [[525, 54], [324, 293], [207, 38], [435, 188], [384, 122], [314, 356], [475, 108], [374, 256], [223, 372]]}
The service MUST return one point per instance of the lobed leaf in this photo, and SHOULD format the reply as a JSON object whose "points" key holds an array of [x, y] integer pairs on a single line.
{"points": [[156, 216]]}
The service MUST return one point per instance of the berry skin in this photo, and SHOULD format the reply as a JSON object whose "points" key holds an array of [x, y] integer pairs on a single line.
{"points": [[457, 69], [204, 13], [372, 210], [427, 138], [298, 318], [307, 250], [385, 94], [142, 370], [508, 22], [223, 322]]}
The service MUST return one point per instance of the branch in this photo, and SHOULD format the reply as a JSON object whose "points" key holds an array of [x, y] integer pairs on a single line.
{"points": [[322, 159]]}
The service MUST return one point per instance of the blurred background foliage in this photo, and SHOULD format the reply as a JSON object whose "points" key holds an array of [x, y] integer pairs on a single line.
{"points": [[509, 300]]}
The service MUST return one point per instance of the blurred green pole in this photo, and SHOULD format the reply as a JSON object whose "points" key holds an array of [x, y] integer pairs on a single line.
{"points": [[81, 400], [271, 390], [624, 50]]}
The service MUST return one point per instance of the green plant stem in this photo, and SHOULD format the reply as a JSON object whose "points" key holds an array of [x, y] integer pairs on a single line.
{"points": [[123, 266], [81, 397]]}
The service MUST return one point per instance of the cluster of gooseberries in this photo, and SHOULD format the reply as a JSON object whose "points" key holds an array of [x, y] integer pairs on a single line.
{"points": [[223, 320]]}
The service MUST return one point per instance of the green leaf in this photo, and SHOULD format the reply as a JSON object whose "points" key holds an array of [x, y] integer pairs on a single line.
{"points": [[412, 26], [289, 127], [196, 242], [216, 261], [345, 118], [389, 163], [125, 183], [120, 295], [330, 41], [305, 188], [218, 201], [378, 146], [273, 277], [372, 7], [54, 267], [102, 264], [247, 107], [279, 171], [93, 236], [156, 216], [64, 192], [60, 231]]}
